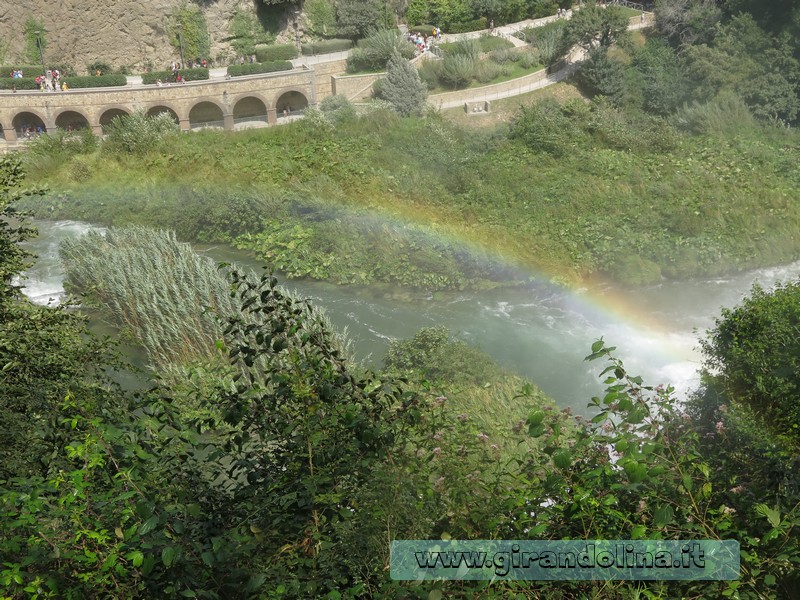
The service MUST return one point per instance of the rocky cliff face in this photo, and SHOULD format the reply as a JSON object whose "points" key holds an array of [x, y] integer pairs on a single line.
{"points": [[120, 32]]}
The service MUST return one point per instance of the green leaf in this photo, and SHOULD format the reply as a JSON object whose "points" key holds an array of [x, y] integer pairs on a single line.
{"points": [[148, 525], [769, 579], [663, 515], [168, 555]]}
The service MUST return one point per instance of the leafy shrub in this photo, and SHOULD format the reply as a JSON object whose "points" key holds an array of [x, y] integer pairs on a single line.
{"points": [[422, 29], [547, 127], [468, 26], [550, 40], [602, 75], [429, 72], [501, 56], [96, 81], [99, 65], [725, 113], [338, 109], [138, 133], [276, 52], [198, 74], [457, 70], [431, 354], [252, 69], [246, 33], [529, 59], [374, 51], [326, 46], [486, 71], [542, 8], [755, 349], [320, 18]]}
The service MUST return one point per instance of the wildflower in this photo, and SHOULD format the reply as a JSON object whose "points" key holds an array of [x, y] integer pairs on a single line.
{"points": [[727, 510], [439, 484], [737, 490], [440, 400], [641, 507], [483, 437], [495, 447], [686, 417], [720, 427], [438, 436], [462, 417], [437, 451]]}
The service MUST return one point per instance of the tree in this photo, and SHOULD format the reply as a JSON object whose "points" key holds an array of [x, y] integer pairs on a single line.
{"points": [[602, 75], [687, 21], [357, 18], [596, 26], [402, 87], [755, 349]]}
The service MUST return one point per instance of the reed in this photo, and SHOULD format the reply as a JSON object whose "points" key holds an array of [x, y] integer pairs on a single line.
{"points": [[174, 302]]}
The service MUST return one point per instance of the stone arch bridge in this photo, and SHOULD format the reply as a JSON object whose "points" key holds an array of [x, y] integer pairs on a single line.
{"points": [[223, 103]]}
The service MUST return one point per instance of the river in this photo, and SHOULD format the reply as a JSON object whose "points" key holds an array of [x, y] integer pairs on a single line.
{"points": [[542, 333]]}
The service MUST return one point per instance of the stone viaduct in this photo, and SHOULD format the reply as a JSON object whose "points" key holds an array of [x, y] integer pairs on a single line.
{"points": [[239, 102]]}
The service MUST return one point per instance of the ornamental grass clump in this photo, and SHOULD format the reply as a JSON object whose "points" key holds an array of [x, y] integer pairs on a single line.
{"points": [[174, 302]]}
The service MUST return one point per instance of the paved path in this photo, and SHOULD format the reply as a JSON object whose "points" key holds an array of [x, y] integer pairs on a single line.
{"points": [[573, 62]]}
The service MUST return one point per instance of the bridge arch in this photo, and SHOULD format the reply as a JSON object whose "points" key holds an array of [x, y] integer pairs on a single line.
{"points": [[156, 109], [110, 113], [27, 122], [291, 101], [206, 113], [71, 119], [250, 108]]}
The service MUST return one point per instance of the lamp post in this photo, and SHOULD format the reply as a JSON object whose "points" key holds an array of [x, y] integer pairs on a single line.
{"points": [[41, 50], [180, 45]]}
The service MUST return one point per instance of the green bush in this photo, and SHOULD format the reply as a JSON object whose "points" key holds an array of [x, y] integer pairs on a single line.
{"points": [[267, 67], [276, 52], [755, 349], [99, 65], [423, 29], [326, 46], [23, 83], [457, 70], [373, 52], [487, 71], [138, 133], [94, 81], [469, 48], [468, 26], [188, 75]]}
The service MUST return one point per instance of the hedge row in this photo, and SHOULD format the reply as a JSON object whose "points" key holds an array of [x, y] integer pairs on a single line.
{"points": [[467, 26], [423, 29], [24, 83], [187, 74], [266, 67], [36, 70], [95, 81], [276, 52], [326, 46]]}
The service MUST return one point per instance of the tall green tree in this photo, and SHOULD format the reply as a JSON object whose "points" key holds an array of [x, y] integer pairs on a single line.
{"points": [[593, 26], [402, 87]]}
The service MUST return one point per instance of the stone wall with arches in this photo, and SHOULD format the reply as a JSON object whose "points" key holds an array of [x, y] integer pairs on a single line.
{"points": [[223, 103]]}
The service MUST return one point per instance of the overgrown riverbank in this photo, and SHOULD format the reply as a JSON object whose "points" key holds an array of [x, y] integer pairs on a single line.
{"points": [[572, 191]]}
